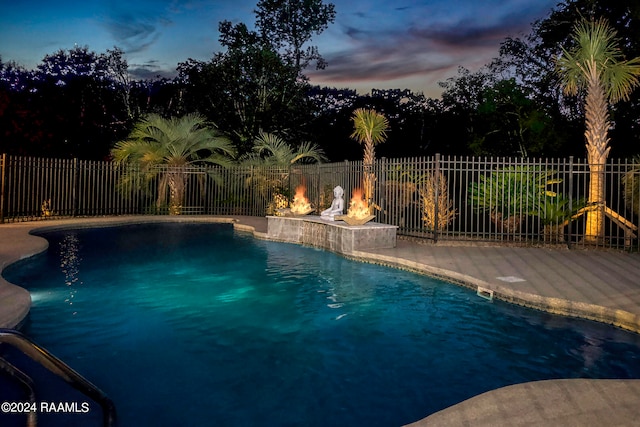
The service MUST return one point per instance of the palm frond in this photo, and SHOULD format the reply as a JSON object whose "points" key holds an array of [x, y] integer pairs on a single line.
{"points": [[596, 53], [308, 152], [369, 126]]}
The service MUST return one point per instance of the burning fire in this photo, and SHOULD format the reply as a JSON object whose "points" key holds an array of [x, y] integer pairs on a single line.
{"points": [[300, 204], [358, 208]]}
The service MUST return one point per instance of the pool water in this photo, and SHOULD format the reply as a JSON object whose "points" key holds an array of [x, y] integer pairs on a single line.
{"points": [[195, 324]]}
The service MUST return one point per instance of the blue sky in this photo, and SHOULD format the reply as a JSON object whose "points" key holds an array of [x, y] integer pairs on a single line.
{"points": [[380, 44]]}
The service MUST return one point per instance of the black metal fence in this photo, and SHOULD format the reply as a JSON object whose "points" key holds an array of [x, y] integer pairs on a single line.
{"points": [[520, 201]]}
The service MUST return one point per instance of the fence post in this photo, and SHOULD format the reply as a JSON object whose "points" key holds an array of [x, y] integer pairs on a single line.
{"points": [[436, 178], [570, 198], [318, 188], [3, 168], [253, 203], [382, 188], [74, 188], [291, 191]]}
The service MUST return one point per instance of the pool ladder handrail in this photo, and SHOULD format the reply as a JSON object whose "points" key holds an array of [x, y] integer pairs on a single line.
{"points": [[53, 364], [26, 382]]}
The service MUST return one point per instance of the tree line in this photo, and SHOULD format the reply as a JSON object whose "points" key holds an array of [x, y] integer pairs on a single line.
{"points": [[79, 103]]}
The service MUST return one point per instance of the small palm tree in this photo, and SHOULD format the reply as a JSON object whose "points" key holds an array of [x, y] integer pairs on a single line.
{"points": [[174, 143], [272, 158], [555, 211], [510, 194], [370, 129], [596, 65], [271, 150]]}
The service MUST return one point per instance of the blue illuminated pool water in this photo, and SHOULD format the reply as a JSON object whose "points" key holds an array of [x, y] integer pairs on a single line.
{"points": [[194, 324]]}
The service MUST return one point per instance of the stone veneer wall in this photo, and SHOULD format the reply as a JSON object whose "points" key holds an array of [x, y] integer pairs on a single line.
{"points": [[335, 236]]}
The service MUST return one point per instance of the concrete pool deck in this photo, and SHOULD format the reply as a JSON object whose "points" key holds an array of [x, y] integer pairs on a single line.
{"points": [[600, 285]]}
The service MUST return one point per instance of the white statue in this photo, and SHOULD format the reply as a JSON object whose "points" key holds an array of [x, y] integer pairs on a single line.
{"points": [[337, 206]]}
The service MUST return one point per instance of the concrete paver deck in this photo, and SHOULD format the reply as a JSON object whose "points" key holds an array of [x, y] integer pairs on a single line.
{"points": [[599, 285]]}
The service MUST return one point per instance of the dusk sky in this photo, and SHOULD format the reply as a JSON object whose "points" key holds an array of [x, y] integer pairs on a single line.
{"points": [[380, 44]]}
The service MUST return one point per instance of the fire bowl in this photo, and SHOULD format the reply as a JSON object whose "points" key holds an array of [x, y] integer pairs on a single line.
{"points": [[354, 221], [303, 213], [289, 212]]}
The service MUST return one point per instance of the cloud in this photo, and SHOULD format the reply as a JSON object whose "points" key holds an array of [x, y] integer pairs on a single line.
{"points": [[136, 26], [150, 70], [131, 34], [422, 48]]}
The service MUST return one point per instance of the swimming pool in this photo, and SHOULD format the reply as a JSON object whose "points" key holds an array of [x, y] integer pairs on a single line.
{"points": [[196, 323]]}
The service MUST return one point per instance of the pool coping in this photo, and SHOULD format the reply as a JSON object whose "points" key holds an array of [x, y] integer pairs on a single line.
{"points": [[591, 402]]}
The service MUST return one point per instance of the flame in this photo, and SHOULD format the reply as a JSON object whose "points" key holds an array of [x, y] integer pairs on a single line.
{"points": [[300, 204], [358, 208]]}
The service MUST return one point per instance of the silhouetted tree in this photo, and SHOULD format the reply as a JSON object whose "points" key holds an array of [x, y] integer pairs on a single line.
{"points": [[256, 84], [246, 89], [290, 24]]}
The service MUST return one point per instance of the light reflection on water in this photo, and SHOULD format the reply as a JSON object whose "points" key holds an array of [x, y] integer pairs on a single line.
{"points": [[70, 258], [69, 249]]}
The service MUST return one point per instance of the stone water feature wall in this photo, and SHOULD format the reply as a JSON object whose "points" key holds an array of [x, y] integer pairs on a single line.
{"points": [[335, 236]]}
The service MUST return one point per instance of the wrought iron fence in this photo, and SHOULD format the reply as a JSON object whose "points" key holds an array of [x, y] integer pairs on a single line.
{"points": [[453, 199]]}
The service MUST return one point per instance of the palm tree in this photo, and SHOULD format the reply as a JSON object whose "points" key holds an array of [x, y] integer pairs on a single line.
{"points": [[272, 158], [370, 129], [596, 65], [271, 150], [508, 195], [174, 144]]}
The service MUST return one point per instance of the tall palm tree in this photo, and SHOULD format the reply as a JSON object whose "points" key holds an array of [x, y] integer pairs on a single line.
{"points": [[370, 129], [596, 65], [175, 144]]}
